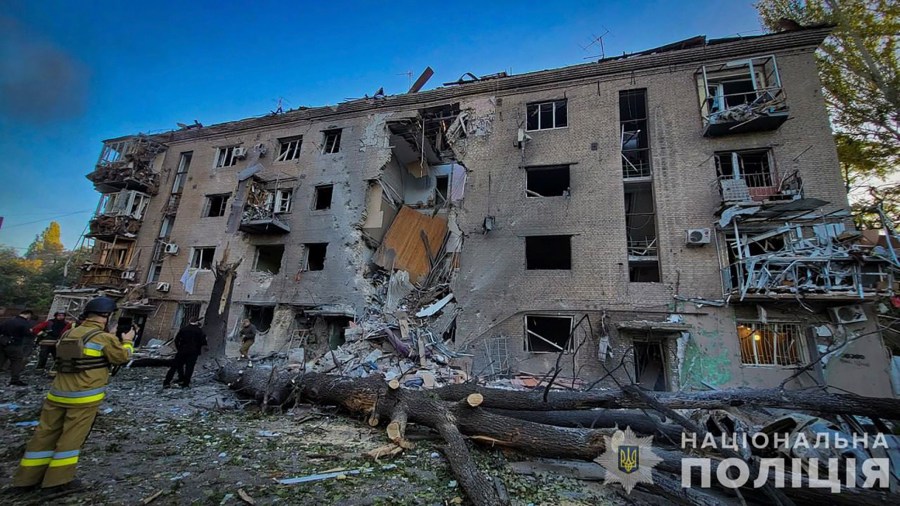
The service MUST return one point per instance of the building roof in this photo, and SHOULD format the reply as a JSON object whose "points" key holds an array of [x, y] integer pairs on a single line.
{"points": [[693, 50]]}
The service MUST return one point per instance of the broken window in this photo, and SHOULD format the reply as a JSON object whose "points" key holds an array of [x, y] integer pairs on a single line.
{"points": [[441, 190], [225, 156], [547, 181], [770, 343], [216, 205], [165, 228], [547, 115], [548, 333], [640, 230], [260, 316], [202, 258], [186, 313], [332, 141], [548, 252], [649, 366], [315, 256], [747, 172], [184, 163], [283, 198], [322, 198], [114, 255], [155, 272], [635, 137], [268, 258], [289, 148], [741, 96], [124, 203]]}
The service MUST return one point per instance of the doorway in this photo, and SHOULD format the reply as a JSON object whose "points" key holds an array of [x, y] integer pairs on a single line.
{"points": [[650, 365]]}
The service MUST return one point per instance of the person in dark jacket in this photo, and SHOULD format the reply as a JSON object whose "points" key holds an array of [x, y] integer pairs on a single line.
{"points": [[49, 333], [189, 343], [15, 335]]}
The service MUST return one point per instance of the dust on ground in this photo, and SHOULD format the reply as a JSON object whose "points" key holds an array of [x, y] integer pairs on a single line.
{"points": [[204, 445]]}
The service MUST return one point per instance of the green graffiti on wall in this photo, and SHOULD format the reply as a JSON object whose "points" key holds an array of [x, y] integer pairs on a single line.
{"points": [[701, 367]]}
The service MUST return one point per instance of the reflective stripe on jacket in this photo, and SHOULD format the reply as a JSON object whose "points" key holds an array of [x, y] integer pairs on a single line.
{"points": [[87, 388]]}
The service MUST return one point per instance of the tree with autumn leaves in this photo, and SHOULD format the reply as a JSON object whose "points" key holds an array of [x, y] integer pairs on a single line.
{"points": [[860, 73], [30, 280]]}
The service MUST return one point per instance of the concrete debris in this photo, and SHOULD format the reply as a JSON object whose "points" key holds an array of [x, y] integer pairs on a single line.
{"points": [[434, 308]]}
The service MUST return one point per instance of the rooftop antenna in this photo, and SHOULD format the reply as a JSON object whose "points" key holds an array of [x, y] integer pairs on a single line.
{"points": [[596, 40], [408, 75], [279, 106]]}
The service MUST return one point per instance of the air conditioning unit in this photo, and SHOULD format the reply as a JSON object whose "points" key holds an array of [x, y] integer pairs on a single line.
{"points": [[162, 287], [171, 248], [240, 152], [697, 236], [848, 314], [261, 149], [129, 275]]}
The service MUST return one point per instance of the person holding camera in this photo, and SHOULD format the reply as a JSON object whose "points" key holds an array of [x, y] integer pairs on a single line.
{"points": [[83, 358]]}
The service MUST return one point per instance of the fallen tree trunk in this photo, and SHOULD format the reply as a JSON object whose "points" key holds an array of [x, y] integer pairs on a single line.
{"points": [[598, 419], [375, 399], [804, 400]]}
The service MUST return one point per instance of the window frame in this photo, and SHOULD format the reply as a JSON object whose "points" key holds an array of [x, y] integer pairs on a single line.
{"points": [[307, 247], [538, 105], [225, 154], [284, 148], [208, 206], [197, 253], [184, 165], [529, 238], [279, 199], [737, 171], [315, 203], [569, 344], [257, 255], [155, 272], [797, 340], [336, 145]]}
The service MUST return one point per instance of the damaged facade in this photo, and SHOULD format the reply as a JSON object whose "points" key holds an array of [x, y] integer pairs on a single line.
{"points": [[675, 216]]}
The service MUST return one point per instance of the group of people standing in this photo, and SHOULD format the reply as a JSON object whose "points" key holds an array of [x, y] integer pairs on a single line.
{"points": [[16, 338], [83, 357]]}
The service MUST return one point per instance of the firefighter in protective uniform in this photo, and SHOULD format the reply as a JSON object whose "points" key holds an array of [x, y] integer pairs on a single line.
{"points": [[74, 398]]}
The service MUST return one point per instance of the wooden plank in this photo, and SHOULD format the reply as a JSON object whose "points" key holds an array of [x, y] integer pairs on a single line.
{"points": [[402, 247]]}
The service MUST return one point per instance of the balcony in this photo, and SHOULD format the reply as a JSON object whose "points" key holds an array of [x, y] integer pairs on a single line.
{"points": [[119, 216], [754, 189], [793, 250], [127, 165], [264, 225], [103, 276], [741, 96], [263, 208]]}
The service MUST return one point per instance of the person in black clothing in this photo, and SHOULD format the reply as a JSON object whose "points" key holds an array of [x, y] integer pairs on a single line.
{"points": [[15, 334], [188, 344], [49, 333]]}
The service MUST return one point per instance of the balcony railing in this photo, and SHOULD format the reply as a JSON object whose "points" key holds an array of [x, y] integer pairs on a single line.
{"points": [[127, 165], [741, 96], [103, 276], [110, 228]]}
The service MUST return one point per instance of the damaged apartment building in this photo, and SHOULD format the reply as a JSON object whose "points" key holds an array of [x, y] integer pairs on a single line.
{"points": [[674, 217]]}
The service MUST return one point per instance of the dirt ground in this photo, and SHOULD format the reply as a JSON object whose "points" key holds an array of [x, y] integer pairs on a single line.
{"points": [[205, 446]]}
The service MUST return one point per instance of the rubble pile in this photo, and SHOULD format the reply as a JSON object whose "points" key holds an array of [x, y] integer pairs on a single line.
{"points": [[401, 337]]}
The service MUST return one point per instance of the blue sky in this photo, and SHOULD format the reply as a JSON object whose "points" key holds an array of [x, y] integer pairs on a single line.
{"points": [[73, 73]]}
